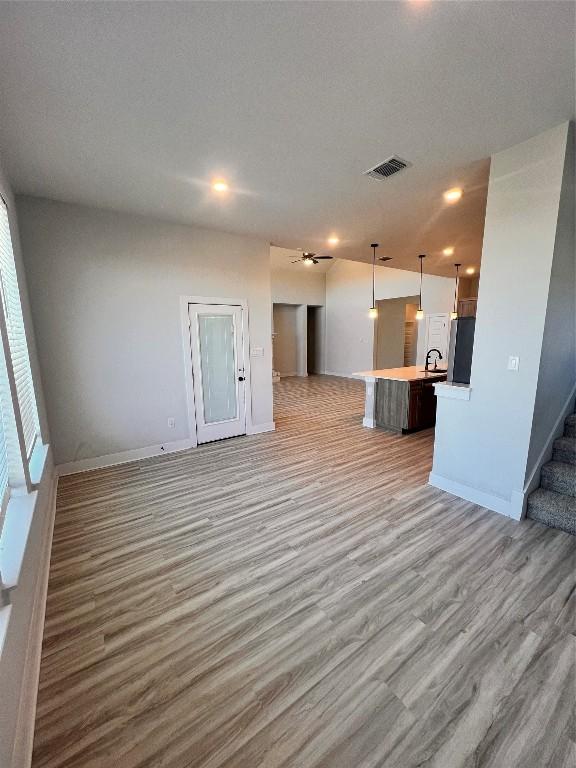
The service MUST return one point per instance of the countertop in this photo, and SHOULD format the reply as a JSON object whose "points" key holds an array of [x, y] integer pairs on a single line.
{"points": [[410, 373]]}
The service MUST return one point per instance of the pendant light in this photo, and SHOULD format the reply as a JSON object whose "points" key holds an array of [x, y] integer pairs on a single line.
{"points": [[373, 311], [454, 313], [420, 312]]}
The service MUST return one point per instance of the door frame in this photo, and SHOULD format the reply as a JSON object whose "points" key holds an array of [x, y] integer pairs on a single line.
{"points": [[445, 315], [185, 301]]}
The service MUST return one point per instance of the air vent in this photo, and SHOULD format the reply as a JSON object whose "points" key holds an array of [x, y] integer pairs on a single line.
{"points": [[387, 168]]}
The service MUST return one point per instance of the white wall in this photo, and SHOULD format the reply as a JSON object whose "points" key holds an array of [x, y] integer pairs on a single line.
{"points": [[105, 290], [349, 330], [482, 444], [299, 286], [19, 662], [296, 283], [557, 374], [285, 324]]}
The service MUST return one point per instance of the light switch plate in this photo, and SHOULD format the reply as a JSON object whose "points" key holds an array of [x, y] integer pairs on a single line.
{"points": [[513, 363]]}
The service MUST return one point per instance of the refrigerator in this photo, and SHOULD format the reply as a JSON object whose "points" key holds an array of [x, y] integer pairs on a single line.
{"points": [[460, 349]]}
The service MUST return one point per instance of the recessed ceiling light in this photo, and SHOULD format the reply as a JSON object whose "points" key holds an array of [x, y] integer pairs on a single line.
{"points": [[470, 270], [453, 195], [333, 240], [448, 251], [220, 185]]}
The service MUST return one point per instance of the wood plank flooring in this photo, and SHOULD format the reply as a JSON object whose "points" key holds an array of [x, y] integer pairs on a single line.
{"points": [[301, 599]]}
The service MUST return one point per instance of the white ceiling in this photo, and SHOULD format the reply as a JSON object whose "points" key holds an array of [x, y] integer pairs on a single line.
{"points": [[136, 106], [286, 259]]}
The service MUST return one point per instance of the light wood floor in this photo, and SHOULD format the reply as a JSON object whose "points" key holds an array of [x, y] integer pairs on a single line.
{"points": [[302, 599]]}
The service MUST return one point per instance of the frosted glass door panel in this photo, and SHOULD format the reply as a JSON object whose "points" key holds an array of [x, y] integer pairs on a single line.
{"points": [[218, 367], [218, 375]]}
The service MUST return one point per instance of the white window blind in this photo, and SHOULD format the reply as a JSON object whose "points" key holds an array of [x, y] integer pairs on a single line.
{"points": [[17, 335], [3, 468], [9, 447]]}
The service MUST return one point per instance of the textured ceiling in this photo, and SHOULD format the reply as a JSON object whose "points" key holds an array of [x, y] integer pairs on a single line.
{"points": [[136, 106]]}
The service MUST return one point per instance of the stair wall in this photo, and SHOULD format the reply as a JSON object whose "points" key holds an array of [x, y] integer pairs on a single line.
{"points": [[488, 444]]}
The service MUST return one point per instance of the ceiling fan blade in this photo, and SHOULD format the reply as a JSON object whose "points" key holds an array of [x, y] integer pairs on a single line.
{"points": [[296, 262], [315, 261], [385, 258], [324, 257]]}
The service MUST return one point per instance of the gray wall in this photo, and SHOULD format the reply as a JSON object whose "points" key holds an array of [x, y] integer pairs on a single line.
{"points": [[557, 375], [17, 663], [482, 444], [349, 330], [105, 290]]}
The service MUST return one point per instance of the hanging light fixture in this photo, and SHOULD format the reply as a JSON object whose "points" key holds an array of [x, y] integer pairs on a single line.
{"points": [[373, 311], [454, 313], [420, 312]]}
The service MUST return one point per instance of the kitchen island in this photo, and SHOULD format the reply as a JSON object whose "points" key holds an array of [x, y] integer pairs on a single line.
{"points": [[401, 399]]}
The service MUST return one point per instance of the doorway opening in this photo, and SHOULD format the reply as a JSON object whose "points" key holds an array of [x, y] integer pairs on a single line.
{"points": [[396, 333], [285, 351], [314, 339], [298, 339]]}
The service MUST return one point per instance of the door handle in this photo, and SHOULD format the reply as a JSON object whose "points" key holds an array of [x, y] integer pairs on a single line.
{"points": [[240, 378]]}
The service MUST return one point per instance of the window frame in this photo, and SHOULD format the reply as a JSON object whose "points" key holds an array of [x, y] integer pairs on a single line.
{"points": [[19, 479]]}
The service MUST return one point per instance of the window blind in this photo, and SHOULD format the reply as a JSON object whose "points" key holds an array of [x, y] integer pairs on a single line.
{"points": [[3, 467], [17, 335]]}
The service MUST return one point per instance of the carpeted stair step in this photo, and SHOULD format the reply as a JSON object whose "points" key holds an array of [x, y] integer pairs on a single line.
{"points": [[560, 477], [553, 509], [565, 450], [570, 426]]}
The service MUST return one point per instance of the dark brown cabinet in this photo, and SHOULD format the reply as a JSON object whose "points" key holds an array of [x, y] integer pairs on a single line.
{"points": [[406, 406], [422, 405]]}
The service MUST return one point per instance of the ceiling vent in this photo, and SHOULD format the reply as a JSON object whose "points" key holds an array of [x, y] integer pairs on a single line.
{"points": [[387, 168]]}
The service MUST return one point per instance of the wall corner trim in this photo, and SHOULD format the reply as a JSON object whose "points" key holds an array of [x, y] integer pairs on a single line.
{"points": [[124, 457]]}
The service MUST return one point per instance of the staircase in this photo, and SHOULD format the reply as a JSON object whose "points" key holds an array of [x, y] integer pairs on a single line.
{"points": [[554, 503]]}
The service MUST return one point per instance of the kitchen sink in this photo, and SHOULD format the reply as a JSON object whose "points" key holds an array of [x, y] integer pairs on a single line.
{"points": [[437, 372]]}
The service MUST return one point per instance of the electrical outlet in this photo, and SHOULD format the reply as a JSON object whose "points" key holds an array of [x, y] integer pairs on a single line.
{"points": [[171, 423], [513, 363]]}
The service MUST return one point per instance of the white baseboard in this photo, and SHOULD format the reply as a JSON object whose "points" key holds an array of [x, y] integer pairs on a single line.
{"points": [[111, 459], [546, 453], [370, 423], [341, 375], [510, 507], [515, 506], [257, 429], [22, 753]]}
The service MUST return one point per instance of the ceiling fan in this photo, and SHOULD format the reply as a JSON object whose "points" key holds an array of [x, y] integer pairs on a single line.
{"points": [[310, 258]]}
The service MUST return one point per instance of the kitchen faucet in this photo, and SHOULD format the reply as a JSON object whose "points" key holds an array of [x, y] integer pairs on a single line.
{"points": [[435, 361]]}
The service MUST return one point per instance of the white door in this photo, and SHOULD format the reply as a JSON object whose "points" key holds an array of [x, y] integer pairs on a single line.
{"points": [[437, 335], [216, 342]]}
